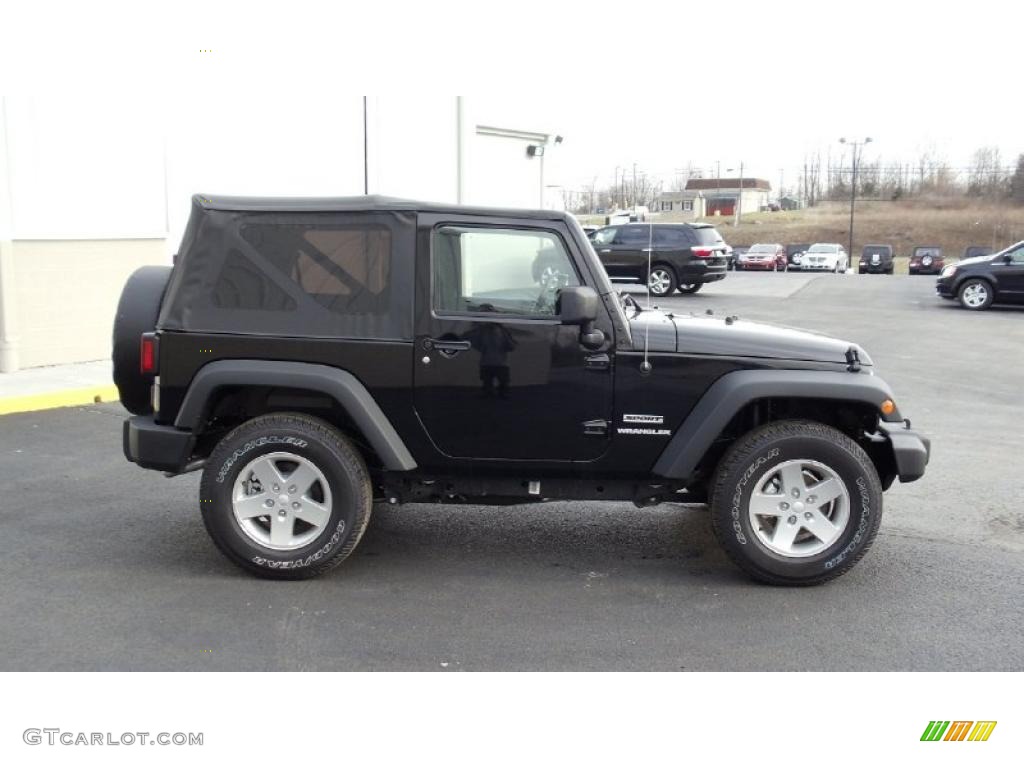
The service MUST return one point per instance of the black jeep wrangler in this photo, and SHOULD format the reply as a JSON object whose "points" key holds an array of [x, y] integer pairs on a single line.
{"points": [[313, 356]]}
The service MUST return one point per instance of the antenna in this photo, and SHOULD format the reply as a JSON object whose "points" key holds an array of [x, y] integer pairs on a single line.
{"points": [[645, 366]]}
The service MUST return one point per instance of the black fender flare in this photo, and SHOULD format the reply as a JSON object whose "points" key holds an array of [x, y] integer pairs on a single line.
{"points": [[339, 384], [724, 399]]}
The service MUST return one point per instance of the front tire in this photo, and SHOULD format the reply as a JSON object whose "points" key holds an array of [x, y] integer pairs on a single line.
{"points": [[285, 496], [796, 503], [976, 294]]}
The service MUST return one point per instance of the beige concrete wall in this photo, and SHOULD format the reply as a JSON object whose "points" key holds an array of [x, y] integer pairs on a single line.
{"points": [[66, 293]]}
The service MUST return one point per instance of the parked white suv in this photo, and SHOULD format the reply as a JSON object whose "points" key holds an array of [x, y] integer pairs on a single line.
{"points": [[828, 257]]}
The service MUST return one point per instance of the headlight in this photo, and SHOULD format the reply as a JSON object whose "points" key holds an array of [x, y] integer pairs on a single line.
{"points": [[948, 271]]}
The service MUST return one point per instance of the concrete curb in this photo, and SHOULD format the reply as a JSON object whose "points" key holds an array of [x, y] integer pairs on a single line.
{"points": [[60, 399]]}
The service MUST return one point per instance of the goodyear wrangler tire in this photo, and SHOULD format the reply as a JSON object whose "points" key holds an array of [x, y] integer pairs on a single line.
{"points": [[285, 496], [796, 503]]}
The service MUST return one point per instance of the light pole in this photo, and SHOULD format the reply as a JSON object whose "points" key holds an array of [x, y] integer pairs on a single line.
{"points": [[856, 145]]}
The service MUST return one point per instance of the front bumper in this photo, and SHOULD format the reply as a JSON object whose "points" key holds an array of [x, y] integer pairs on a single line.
{"points": [[910, 449], [767, 266], [155, 446], [944, 287]]}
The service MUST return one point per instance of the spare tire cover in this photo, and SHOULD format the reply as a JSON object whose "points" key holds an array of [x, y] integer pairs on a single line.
{"points": [[136, 314]]}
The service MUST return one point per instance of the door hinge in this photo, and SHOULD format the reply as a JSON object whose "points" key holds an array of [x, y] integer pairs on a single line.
{"points": [[595, 427], [598, 362]]}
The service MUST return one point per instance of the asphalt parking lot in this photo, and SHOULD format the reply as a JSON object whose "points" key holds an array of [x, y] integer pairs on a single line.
{"points": [[108, 567]]}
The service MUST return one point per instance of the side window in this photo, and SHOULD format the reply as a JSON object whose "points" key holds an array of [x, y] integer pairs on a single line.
{"points": [[501, 271], [344, 269], [670, 237], [1017, 256], [637, 236], [605, 236]]}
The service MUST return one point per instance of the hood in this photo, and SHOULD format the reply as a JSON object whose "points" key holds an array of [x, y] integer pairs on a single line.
{"points": [[975, 260], [714, 335]]}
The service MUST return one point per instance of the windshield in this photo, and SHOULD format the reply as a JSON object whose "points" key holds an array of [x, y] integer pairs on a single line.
{"points": [[760, 248], [872, 250], [820, 248]]}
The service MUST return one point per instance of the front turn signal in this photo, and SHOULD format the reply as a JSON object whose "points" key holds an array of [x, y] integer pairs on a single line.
{"points": [[888, 407]]}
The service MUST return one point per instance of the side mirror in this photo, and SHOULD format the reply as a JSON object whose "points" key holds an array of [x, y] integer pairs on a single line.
{"points": [[1008, 258], [577, 305]]}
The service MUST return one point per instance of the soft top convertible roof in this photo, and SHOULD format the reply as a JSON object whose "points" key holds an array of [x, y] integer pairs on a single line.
{"points": [[362, 203]]}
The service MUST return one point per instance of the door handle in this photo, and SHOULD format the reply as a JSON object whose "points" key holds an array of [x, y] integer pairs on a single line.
{"points": [[447, 345], [606, 250]]}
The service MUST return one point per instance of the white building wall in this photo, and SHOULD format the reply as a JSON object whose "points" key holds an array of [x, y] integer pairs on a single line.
{"points": [[94, 187]]}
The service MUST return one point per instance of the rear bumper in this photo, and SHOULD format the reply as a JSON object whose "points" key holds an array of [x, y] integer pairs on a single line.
{"points": [[875, 268], [701, 273], [155, 446], [910, 449]]}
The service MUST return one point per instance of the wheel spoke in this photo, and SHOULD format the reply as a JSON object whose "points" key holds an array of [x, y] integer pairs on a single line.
{"points": [[825, 491], [266, 471], [281, 529], [766, 504], [792, 477], [313, 512], [821, 527], [785, 533], [248, 507], [302, 478]]}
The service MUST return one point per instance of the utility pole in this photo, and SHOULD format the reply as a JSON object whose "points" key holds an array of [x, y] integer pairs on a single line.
{"points": [[739, 200], [854, 145]]}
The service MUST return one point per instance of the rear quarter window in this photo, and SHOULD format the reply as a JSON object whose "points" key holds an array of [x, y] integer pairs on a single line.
{"points": [[706, 235]]}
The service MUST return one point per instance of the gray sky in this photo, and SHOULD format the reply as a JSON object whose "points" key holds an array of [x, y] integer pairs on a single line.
{"points": [[662, 133]]}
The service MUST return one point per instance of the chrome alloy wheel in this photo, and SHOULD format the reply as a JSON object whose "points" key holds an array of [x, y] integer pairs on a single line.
{"points": [[660, 281], [975, 295], [799, 508], [281, 501]]}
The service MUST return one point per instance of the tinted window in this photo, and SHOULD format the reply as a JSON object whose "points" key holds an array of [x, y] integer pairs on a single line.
{"points": [[670, 237], [634, 236], [501, 271], [346, 270], [881, 250], [604, 236], [706, 235]]}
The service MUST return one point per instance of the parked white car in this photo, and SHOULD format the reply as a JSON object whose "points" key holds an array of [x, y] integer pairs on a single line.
{"points": [[826, 257]]}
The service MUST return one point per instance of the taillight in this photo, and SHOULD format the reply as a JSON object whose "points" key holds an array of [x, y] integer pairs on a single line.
{"points": [[703, 253], [147, 354]]}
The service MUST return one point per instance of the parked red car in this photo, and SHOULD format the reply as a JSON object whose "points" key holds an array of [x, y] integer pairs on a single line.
{"points": [[765, 256], [926, 260]]}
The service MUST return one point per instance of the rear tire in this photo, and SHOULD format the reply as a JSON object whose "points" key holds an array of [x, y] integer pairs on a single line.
{"points": [[662, 280], [769, 477], [308, 477]]}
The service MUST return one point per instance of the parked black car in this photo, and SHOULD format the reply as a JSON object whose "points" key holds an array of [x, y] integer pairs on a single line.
{"points": [[980, 282], [682, 256], [316, 356], [973, 251], [794, 253], [877, 259]]}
